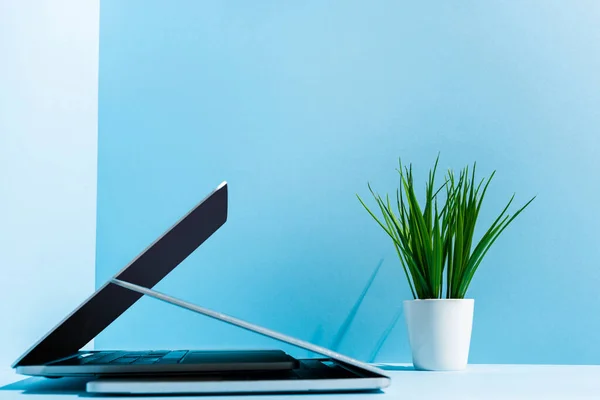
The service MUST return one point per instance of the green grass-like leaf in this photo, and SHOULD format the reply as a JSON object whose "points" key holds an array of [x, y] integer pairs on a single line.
{"points": [[437, 236]]}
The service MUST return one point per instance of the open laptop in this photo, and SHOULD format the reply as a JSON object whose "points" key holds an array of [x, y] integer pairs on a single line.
{"points": [[59, 353]]}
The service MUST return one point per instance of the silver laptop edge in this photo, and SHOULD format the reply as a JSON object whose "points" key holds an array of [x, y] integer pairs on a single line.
{"points": [[250, 327], [199, 386]]}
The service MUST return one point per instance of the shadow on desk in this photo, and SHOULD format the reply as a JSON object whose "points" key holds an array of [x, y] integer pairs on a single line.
{"points": [[391, 367], [65, 386]]}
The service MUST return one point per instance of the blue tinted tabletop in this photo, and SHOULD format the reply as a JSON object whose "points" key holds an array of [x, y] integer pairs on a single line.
{"points": [[477, 382]]}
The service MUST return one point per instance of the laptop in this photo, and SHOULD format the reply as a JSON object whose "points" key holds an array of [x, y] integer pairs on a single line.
{"points": [[59, 353]]}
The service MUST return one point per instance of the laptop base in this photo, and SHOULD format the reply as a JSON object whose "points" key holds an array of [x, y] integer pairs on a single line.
{"points": [[162, 363], [312, 375]]}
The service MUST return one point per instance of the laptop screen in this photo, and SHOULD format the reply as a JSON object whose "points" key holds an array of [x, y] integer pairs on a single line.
{"points": [[147, 269]]}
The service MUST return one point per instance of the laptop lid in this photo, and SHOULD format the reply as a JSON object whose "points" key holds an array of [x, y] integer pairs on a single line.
{"points": [[248, 326], [110, 301]]}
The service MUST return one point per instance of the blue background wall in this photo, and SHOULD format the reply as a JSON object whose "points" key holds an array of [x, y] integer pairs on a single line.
{"points": [[297, 105]]}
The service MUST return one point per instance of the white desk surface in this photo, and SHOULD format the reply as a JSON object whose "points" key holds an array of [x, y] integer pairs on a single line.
{"points": [[477, 382]]}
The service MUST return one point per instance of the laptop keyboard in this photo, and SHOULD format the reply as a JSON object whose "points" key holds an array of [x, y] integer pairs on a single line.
{"points": [[210, 359], [132, 357], [301, 369]]}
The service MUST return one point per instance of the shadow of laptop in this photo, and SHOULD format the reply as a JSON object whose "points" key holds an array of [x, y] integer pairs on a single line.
{"points": [[38, 385]]}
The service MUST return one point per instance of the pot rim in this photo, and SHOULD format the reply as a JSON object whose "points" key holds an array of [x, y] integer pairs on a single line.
{"points": [[439, 300]]}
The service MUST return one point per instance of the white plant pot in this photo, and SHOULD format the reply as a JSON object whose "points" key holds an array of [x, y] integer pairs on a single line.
{"points": [[439, 331]]}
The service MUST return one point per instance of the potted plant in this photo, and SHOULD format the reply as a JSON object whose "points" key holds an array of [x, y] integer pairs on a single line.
{"points": [[435, 244]]}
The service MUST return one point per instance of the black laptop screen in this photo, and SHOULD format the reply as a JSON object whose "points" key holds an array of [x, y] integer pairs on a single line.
{"points": [[110, 301]]}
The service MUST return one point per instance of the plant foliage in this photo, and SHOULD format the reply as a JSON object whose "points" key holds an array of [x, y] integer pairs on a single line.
{"points": [[438, 238]]}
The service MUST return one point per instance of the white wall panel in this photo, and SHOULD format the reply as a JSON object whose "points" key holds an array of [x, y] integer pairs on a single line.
{"points": [[48, 164]]}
